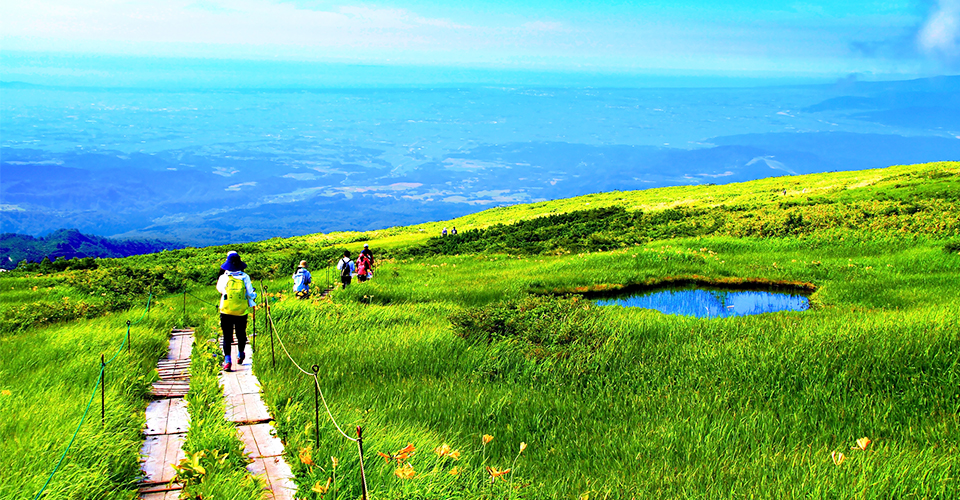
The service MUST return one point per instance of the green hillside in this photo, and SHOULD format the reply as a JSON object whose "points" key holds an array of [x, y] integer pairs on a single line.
{"points": [[491, 332]]}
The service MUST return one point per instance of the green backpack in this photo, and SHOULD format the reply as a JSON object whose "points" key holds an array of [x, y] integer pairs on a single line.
{"points": [[234, 300]]}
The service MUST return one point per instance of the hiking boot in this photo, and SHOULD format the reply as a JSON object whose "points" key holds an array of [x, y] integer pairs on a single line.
{"points": [[227, 366], [241, 357]]}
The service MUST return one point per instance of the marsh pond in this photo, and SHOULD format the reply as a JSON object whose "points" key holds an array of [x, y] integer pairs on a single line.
{"points": [[711, 303]]}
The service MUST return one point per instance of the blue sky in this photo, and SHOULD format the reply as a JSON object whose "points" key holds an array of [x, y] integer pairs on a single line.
{"points": [[827, 39]]}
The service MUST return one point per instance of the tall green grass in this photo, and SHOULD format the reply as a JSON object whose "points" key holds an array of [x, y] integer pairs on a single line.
{"points": [[651, 405], [47, 378], [665, 406]]}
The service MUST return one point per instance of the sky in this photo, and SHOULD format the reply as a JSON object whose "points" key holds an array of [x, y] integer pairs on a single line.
{"points": [[879, 39]]}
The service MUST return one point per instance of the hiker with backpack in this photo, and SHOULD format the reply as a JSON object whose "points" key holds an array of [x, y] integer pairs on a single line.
{"points": [[346, 268], [368, 254], [301, 281], [237, 296]]}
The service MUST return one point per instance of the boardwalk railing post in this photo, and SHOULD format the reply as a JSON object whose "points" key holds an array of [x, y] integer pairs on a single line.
{"points": [[184, 307], [103, 389], [316, 407], [128, 336], [363, 475], [273, 354]]}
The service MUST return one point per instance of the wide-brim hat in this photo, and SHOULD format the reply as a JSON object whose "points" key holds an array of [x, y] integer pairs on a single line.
{"points": [[303, 263], [233, 263]]}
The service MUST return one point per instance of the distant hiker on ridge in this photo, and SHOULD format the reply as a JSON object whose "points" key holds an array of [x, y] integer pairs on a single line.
{"points": [[444, 232], [453, 231], [345, 266], [301, 281], [237, 296]]}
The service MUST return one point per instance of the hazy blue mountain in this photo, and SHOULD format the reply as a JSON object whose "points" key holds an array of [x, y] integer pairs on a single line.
{"points": [[70, 244], [205, 166]]}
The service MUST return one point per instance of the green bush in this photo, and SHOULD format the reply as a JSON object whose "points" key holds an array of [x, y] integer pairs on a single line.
{"points": [[542, 321]]}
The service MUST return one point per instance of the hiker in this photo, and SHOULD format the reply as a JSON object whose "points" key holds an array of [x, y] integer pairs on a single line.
{"points": [[301, 281], [345, 266], [444, 232], [453, 231], [366, 252], [363, 268], [237, 296]]}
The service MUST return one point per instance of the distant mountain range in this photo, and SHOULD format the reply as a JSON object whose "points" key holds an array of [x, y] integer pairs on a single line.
{"points": [[214, 167], [69, 244]]}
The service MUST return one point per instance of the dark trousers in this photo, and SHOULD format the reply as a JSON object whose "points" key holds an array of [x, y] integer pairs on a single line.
{"points": [[230, 324], [345, 280]]}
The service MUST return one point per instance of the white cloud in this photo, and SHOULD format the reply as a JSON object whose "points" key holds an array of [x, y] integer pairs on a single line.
{"points": [[940, 33], [253, 22]]}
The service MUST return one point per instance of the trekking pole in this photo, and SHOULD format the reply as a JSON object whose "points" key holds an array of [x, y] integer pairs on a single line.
{"points": [[184, 306], [103, 389], [254, 342], [316, 406], [128, 336]]}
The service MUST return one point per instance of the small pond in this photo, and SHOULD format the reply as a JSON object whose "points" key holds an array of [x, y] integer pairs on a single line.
{"points": [[705, 303]]}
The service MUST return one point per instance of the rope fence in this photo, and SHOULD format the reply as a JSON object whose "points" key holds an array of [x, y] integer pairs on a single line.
{"points": [[318, 392], [100, 383]]}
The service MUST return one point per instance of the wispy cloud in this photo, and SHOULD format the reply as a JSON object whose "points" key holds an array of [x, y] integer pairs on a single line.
{"points": [[940, 33]]}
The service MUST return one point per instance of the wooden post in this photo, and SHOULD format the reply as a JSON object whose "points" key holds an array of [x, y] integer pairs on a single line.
{"points": [[316, 407], [103, 389], [363, 474], [273, 354]]}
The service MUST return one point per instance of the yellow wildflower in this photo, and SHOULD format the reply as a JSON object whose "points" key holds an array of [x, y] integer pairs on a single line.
{"points": [[405, 472]]}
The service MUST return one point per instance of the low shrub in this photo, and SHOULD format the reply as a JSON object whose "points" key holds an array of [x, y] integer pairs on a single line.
{"points": [[542, 321]]}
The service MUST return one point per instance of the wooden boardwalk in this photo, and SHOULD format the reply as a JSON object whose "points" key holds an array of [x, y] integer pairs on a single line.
{"points": [[167, 421], [246, 409]]}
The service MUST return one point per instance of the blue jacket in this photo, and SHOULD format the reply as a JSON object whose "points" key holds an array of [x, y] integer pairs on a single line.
{"points": [[301, 280]]}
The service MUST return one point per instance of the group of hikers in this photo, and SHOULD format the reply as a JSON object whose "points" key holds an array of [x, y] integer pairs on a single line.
{"points": [[237, 295]]}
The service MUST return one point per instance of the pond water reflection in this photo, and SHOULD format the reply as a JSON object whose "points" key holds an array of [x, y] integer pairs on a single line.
{"points": [[712, 303]]}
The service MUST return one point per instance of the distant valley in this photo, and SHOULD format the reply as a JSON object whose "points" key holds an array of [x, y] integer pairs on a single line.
{"points": [[210, 167]]}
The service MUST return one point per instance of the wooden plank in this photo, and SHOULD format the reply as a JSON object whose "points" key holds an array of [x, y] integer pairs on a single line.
{"points": [[236, 411], [230, 383], [280, 478], [157, 417], [248, 382], [178, 419], [170, 364], [163, 495], [267, 444], [159, 487], [173, 363], [161, 451], [173, 352], [256, 410], [247, 409]]}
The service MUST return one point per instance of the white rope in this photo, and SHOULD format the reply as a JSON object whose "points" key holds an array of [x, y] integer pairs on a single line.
{"points": [[316, 380], [279, 339]]}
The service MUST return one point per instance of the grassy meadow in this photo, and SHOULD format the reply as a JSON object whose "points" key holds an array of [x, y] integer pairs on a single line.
{"points": [[473, 348]]}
